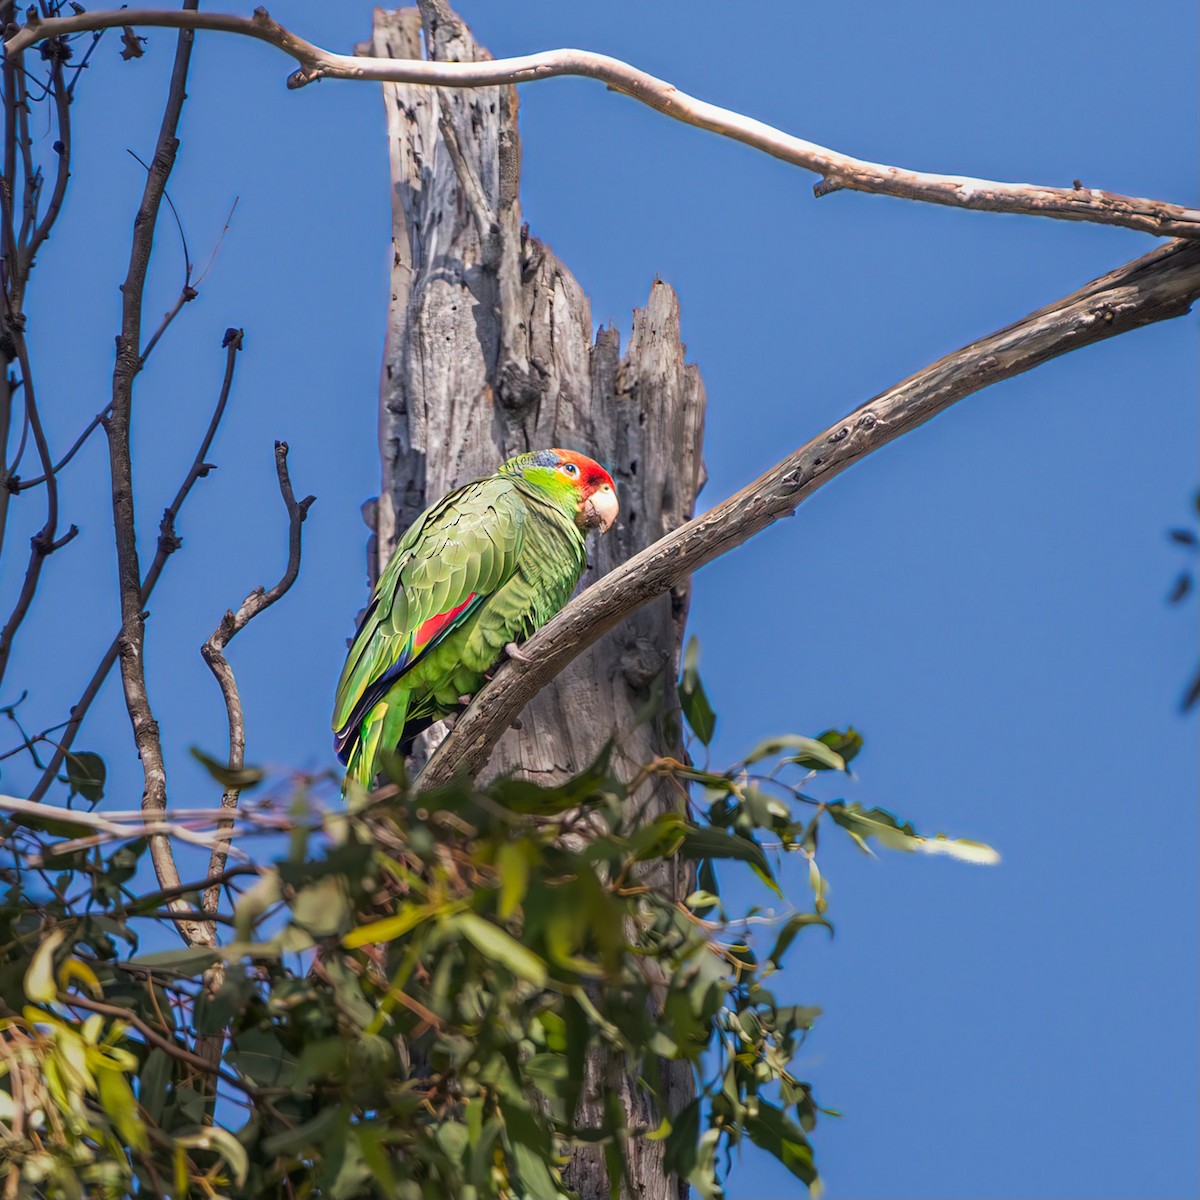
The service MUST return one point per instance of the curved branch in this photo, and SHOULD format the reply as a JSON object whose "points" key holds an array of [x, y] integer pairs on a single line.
{"points": [[838, 171], [168, 543], [43, 543], [117, 427], [231, 624], [1158, 286], [62, 147]]}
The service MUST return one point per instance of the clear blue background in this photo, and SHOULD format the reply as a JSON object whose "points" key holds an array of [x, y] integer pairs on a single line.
{"points": [[985, 599]]}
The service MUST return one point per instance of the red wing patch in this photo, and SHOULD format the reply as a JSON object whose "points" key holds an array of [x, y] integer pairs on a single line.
{"points": [[428, 630]]}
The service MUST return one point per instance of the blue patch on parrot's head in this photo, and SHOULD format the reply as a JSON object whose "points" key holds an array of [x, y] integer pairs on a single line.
{"points": [[520, 463]]}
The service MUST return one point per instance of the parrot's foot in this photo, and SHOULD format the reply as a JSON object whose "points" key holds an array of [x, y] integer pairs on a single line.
{"points": [[464, 700], [515, 651]]}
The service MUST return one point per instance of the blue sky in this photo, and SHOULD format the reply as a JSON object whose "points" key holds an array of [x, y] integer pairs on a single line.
{"points": [[985, 599]]}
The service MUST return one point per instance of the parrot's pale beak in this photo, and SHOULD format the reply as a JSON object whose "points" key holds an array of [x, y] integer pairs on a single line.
{"points": [[600, 509]]}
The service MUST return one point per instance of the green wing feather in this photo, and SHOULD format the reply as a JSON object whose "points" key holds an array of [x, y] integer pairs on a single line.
{"points": [[456, 554]]}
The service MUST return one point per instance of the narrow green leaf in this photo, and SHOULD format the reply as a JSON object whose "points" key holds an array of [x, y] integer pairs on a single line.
{"points": [[819, 887], [771, 1129], [680, 1151], [790, 929], [242, 778], [86, 775], [187, 960], [116, 1098], [692, 697], [260, 1056], [40, 986], [847, 743], [699, 842], [501, 947], [513, 862], [387, 929], [222, 1142], [815, 755], [895, 834]]}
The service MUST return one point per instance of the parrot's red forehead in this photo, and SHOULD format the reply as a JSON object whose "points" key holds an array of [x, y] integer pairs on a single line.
{"points": [[591, 474]]}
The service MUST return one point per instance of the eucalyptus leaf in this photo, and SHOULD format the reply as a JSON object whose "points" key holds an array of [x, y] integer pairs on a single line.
{"points": [[241, 778], [187, 960], [692, 697], [501, 947], [86, 774]]}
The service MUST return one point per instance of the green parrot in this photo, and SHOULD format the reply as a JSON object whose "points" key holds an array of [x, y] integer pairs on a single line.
{"points": [[481, 569]]}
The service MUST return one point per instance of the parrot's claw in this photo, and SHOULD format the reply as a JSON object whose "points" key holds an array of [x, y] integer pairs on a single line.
{"points": [[515, 651]]}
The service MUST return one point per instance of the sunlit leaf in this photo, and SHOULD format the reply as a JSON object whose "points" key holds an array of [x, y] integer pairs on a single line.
{"points": [[75, 971], [513, 863], [501, 947], [820, 888], [117, 1100], [387, 929], [223, 1143], [40, 985], [879, 824]]}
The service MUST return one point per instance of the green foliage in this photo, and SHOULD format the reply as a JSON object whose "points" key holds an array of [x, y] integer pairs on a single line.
{"points": [[411, 990]]}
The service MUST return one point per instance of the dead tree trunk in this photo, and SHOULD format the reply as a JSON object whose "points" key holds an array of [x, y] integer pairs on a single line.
{"points": [[490, 353]]}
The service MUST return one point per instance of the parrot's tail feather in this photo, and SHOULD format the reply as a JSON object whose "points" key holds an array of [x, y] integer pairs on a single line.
{"points": [[377, 736]]}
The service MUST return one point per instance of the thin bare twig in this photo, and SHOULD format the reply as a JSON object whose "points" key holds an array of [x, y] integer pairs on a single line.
{"points": [[120, 826], [21, 485], [62, 147], [168, 543], [18, 252], [212, 258], [1156, 287], [43, 543], [185, 889], [186, 295], [837, 171], [233, 623]]}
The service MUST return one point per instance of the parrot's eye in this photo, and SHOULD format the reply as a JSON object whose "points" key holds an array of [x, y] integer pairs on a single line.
{"points": [[570, 469]]}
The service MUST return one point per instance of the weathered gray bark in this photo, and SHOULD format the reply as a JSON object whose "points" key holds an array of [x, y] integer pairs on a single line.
{"points": [[489, 353]]}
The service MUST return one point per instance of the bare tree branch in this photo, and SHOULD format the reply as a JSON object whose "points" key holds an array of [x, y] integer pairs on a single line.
{"points": [[122, 825], [20, 485], [168, 543], [837, 171], [186, 294], [231, 624], [43, 543], [117, 426], [19, 250], [62, 147], [1156, 287]]}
